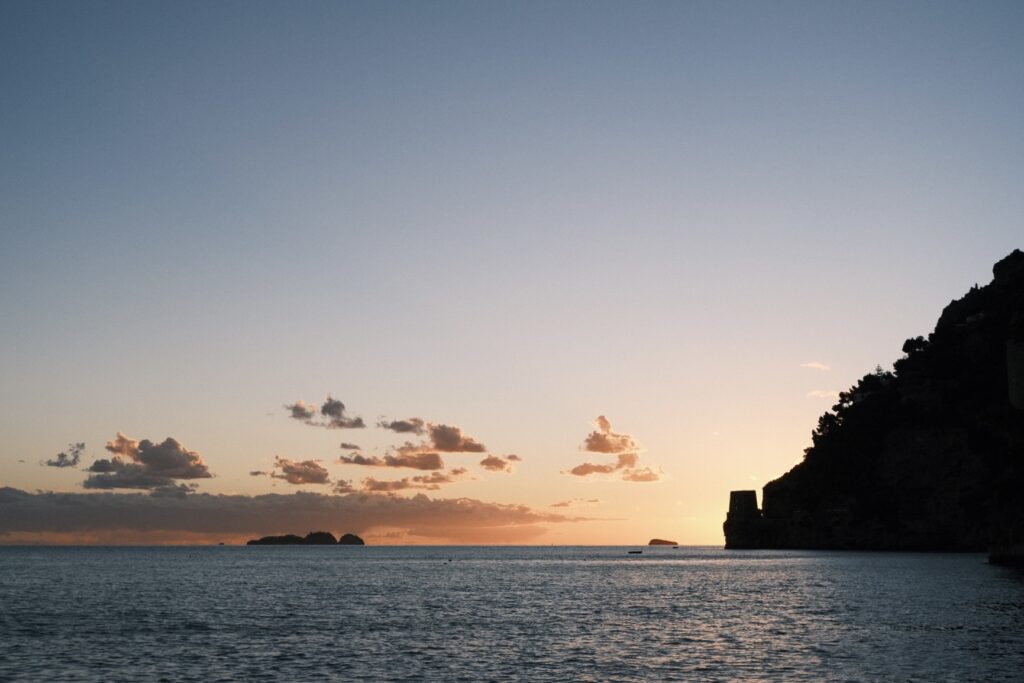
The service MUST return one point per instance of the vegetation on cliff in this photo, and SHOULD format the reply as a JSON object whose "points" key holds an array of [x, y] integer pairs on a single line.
{"points": [[929, 456]]}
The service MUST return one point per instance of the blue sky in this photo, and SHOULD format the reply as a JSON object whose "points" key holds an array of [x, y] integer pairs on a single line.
{"points": [[513, 217]]}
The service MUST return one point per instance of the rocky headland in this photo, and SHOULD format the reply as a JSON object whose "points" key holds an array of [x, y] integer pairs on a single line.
{"points": [[927, 457]]}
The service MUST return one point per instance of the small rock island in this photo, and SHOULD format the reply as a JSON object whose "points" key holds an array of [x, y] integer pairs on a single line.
{"points": [[350, 539], [928, 457], [312, 538], [661, 541]]}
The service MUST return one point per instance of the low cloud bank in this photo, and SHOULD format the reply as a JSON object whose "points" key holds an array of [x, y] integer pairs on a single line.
{"points": [[108, 517]]}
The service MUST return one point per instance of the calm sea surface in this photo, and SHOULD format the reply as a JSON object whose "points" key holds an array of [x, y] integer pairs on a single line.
{"points": [[486, 613]]}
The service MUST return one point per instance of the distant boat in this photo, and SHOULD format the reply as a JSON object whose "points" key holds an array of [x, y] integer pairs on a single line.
{"points": [[635, 552]]}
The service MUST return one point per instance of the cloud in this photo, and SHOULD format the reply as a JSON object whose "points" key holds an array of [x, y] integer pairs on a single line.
{"points": [[349, 446], [343, 486], [332, 412], [816, 365], [823, 393], [432, 481], [604, 440], [627, 460], [450, 439], [641, 475], [413, 425], [623, 461], [623, 446], [413, 458], [425, 455], [123, 445], [300, 411], [125, 518], [387, 486], [117, 474], [588, 468], [300, 471], [514, 458], [145, 465], [257, 473], [574, 501], [68, 458], [495, 463]]}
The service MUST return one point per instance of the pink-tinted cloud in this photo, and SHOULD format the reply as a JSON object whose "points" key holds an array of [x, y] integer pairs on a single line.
{"points": [[623, 446], [604, 440], [587, 468], [623, 461]]}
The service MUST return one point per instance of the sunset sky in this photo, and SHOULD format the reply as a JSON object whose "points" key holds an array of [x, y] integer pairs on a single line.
{"points": [[638, 246]]}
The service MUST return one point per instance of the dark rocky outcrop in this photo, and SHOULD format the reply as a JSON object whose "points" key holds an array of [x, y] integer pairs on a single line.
{"points": [[351, 539], [287, 539], [320, 538], [660, 541], [927, 457], [312, 538]]}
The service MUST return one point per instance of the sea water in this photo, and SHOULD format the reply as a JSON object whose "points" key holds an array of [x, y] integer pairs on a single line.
{"points": [[504, 614]]}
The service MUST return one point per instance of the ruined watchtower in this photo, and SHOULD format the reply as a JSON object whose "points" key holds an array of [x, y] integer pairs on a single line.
{"points": [[744, 525]]}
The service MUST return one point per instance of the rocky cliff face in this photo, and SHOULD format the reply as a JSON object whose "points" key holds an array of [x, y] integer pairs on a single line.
{"points": [[928, 457]]}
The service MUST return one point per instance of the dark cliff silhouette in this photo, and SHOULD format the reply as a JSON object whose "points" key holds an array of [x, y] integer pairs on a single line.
{"points": [[928, 457], [312, 538]]}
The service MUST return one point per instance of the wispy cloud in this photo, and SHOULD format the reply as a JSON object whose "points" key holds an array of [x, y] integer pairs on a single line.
{"points": [[67, 458], [816, 365], [823, 393], [575, 501]]}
